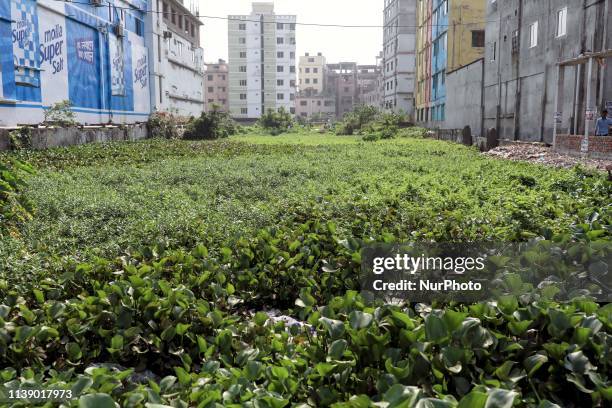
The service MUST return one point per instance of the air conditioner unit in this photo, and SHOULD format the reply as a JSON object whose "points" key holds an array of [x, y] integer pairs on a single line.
{"points": [[119, 30], [167, 34], [96, 3]]}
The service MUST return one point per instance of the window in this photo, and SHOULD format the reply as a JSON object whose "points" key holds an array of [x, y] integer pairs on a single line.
{"points": [[292, 83], [210, 77], [244, 111], [280, 40], [243, 96], [292, 110], [242, 27], [292, 41], [223, 77], [328, 103], [478, 38], [311, 60], [242, 54], [280, 26], [280, 68], [280, 96], [307, 80], [292, 27], [315, 70], [211, 89], [533, 35], [242, 40], [243, 82], [242, 68], [166, 11], [280, 82], [280, 54], [562, 22], [303, 103], [180, 21], [307, 70], [139, 27], [292, 55], [173, 16], [292, 97], [292, 69], [318, 103], [315, 81]]}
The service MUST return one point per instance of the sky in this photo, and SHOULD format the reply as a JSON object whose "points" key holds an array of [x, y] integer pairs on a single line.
{"points": [[337, 44]]}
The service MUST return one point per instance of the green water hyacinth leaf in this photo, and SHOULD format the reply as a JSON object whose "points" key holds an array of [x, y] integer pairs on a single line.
{"points": [[335, 328], [337, 348], [98, 400], [435, 328], [500, 398], [578, 363], [534, 363], [360, 320]]}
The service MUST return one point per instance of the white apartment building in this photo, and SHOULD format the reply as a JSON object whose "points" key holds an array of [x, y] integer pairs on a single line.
{"points": [[399, 49], [312, 73], [262, 62], [177, 70]]}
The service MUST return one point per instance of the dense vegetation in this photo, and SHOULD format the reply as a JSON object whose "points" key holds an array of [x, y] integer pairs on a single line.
{"points": [[155, 273]]}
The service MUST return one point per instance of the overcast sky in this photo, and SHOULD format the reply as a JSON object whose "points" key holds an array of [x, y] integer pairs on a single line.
{"points": [[337, 44]]}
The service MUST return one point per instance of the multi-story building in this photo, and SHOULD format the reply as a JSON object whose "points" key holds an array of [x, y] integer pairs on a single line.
{"points": [[368, 81], [177, 83], [341, 80], [371, 93], [539, 58], [312, 73], [216, 86], [314, 106], [94, 57], [399, 43], [262, 62], [450, 35]]}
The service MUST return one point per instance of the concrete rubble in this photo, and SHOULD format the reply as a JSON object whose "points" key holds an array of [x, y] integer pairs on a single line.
{"points": [[539, 153]]}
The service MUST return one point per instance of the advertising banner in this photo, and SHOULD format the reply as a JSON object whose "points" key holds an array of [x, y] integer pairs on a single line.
{"points": [[53, 54], [117, 58], [83, 65], [24, 27]]}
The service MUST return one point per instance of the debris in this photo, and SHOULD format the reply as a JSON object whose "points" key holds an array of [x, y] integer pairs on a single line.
{"points": [[542, 154]]}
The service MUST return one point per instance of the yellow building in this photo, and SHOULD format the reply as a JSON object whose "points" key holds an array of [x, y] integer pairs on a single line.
{"points": [[450, 35]]}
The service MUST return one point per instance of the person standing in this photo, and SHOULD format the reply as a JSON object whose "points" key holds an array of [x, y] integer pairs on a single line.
{"points": [[602, 127]]}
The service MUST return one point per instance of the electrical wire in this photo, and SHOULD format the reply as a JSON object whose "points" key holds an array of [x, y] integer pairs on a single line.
{"points": [[202, 16]]}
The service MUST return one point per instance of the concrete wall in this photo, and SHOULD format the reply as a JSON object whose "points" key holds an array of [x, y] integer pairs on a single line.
{"points": [[46, 138], [464, 99], [521, 81]]}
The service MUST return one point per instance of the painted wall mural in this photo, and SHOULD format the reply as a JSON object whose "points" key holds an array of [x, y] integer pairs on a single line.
{"points": [[52, 51]]}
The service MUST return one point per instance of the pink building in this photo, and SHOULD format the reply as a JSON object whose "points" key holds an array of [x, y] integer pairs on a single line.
{"points": [[216, 86]]}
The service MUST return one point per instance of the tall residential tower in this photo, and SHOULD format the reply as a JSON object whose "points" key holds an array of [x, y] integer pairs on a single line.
{"points": [[399, 44], [262, 71]]}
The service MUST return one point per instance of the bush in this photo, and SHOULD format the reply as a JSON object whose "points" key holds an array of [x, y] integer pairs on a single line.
{"points": [[14, 207], [354, 121], [164, 125], [20, 138], [276, 122], [211, 125], [60, 114]]}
